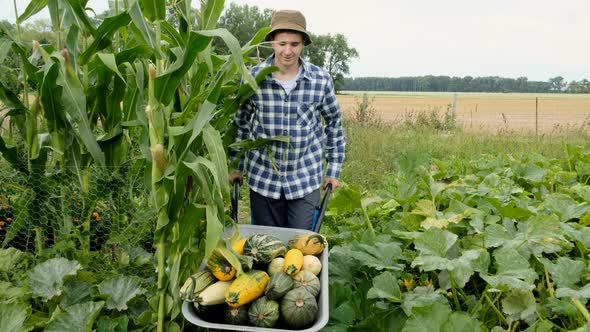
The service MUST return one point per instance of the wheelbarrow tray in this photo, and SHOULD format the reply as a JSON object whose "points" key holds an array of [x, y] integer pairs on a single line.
{"points": [[284, 234]]}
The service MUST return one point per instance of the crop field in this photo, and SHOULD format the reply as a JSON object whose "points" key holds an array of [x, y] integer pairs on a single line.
{"points": [[481, 111]]}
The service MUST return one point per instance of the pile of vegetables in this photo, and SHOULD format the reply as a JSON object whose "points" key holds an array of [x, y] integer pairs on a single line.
{"points": [[279, 285]]}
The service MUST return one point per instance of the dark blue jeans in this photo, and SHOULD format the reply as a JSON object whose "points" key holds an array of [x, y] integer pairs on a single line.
{"points": [[282, 212]]}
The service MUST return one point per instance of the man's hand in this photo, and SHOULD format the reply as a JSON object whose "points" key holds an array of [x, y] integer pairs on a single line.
{"points": [[236, 175], [333, 181]]}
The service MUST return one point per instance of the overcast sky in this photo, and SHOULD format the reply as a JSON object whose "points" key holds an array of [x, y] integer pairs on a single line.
{"points": [[538, 39]]}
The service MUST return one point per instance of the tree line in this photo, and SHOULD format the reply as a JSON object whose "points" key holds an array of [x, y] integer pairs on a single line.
{"points": [[465, 84]]}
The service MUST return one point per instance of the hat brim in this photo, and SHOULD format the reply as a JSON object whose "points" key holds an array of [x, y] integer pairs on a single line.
{"points": [[288, 27]]}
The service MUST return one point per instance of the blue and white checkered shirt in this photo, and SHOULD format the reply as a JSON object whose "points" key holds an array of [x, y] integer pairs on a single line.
{"points": [[271, 112]]}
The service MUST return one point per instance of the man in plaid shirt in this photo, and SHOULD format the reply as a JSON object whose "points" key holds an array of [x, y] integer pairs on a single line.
{"points": [[285, 178]]}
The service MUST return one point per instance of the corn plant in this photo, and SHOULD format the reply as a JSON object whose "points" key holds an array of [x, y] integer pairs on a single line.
{"points": [[137, 90]]}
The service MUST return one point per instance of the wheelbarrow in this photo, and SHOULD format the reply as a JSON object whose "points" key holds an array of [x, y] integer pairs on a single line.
{"points": [[284, 234]]}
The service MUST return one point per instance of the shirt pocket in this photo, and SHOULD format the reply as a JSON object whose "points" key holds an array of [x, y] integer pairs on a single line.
{"points": [[307, 114]]}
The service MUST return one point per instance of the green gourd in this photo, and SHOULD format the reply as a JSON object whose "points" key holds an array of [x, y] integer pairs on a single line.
{"points": [[264, 312], [299, 308], [280, 283], [237, 316]]}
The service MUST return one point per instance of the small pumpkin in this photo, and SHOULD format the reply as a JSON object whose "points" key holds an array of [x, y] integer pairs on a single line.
{"points": [[280, 283], [264, 312], [309, 244], [220, 267], [312, 264], [298, 308], [264, 248], [246, 288], [237, 315], [309, 281], [293, 262]]}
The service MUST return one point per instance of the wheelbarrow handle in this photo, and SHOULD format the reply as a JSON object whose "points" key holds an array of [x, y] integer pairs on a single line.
{"points": [[235, 197], [323, 206]]}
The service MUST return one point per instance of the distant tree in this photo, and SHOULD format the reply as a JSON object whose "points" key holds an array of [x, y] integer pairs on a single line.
{"points": [[557, 84], [244, 21], [332, 53]]}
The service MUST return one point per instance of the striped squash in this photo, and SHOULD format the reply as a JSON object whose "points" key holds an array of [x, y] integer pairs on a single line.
{"points": [[220, 267], [264, 248]]}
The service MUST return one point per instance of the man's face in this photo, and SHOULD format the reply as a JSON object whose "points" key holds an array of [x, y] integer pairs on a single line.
{"points": [[287, 47]]}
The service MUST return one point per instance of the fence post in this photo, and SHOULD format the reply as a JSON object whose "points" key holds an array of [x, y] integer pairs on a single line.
{"points": [[364, 106], [454, 105]]}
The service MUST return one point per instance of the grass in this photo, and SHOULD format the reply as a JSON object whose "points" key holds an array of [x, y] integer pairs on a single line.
{"points": [[372, 151]]}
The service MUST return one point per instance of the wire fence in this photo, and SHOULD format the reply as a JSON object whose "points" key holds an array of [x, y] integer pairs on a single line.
{"points": [[101, 210]]}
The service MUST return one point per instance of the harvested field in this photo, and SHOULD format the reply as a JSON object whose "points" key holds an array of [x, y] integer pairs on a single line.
{"points": [[481, 111]]}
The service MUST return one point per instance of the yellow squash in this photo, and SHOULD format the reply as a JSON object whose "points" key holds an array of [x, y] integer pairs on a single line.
{"points": [[238, 246], [309, 244], [293, 262], [220, 267], [246, 288]]}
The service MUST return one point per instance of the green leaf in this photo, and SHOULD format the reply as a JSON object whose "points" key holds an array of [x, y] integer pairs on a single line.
{"points": [[583, 293], [119, 291], [211, 14], [422, 297], [435, 242], [462, 322], [564, 206], [9, 258], [430, 318], [519, 305], [107, 324], [13, 316], [380, 256], [76, 318], [214, 230], [46, 279], [145, 31], [74, 101], [513, 272], [79, 10], [566, 272], [167, 83], [154, 10], [9, 293], [214, 145], [109, 61], [103, 35], [33, 8], [236, 53], [385, 286]]}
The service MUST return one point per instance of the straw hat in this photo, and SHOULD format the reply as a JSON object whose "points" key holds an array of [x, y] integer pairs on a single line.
{"points": [[288, 20]]}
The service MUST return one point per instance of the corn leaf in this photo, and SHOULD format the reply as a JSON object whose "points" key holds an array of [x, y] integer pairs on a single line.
{"points": [[211, 14], [167, 83], [79, 10], [154, 10], [74, 101], [33, 8], [214, 145], [103, 35]]}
